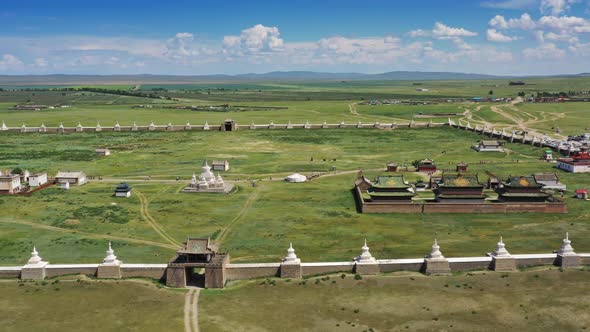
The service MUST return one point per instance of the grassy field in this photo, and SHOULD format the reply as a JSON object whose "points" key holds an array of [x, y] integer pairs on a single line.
{"points": [[538, 300], [257, 223], [87, 305]]}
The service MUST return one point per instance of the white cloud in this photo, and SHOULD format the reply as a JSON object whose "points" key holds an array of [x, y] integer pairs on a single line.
{"points": [[419, 33], [544, 51], [496, 36], [556, 7], [524, 22], [10, 62], [563, 37], [258, 38], [179, 47], [41, 62], [565, 23], [442, 31], [509, 4]]}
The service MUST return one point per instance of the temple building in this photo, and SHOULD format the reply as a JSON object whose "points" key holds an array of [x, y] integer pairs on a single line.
{"points": [[386, 188], [549, 181], [578, 163], [489, 146], [426, 166], [521, 189], [207, 182], [460, 188], [462, 167]]}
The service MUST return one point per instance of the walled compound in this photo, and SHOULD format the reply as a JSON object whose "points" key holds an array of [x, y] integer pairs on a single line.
{"points": [[566, 147], [201, 254]]}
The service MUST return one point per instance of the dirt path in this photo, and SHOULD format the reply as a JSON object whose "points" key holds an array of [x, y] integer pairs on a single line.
{"points": [[239, 216], [145, 214], [191, 301], [89, 235]]}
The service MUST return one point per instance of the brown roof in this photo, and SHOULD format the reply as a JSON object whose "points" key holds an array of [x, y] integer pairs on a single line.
{"points": [[546, 177], [198, 246]]}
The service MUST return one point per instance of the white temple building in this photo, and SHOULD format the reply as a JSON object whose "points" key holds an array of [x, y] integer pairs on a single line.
{"points": [[207, 182]]}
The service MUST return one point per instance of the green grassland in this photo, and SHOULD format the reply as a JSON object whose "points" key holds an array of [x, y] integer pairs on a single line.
{"points": [[537, 300], [87, 305], [258, 222]]}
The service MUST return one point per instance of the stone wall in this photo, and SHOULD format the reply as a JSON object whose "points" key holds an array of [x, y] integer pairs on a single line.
{"points": [[310, 269], [218, 127], [66, 269], [250, 271], [154, 271], [391, 207]]}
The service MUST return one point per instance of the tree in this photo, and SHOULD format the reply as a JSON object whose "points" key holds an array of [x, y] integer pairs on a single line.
{"points": [[491, 92], [17, 170]]}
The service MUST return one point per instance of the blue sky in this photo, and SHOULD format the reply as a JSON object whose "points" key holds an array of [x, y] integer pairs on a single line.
{"points": [[193, 37]]}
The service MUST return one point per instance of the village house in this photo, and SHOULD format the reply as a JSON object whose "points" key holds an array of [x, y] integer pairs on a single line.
{"points": [[489, 146], [102, 152], [582, 193], [37, 179], [10, 184], [220, 165], [72, 178], [578, 163], [123, 190], [549, 181]]}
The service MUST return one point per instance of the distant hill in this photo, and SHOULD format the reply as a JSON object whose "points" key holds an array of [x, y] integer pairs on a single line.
{"points": [[61, 79]]}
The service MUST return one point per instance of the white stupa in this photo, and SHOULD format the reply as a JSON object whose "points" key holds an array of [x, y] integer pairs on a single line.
{"points": [[566, 247], [435, 252], [365, 256], [291, 258], [4, 127], [111, 259], [207, 182], [206, 174], [501, 250], [35, 258]]}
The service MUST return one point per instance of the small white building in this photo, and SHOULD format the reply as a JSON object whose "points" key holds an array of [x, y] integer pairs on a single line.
{"points": [[38, 179], [73, 178], [10, 183], [123, 190], [296, 178], [102, 152], [220, 165], [573, 166]]}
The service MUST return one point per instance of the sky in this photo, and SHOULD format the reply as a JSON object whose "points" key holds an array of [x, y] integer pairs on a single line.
{"points": [[503, 37]]}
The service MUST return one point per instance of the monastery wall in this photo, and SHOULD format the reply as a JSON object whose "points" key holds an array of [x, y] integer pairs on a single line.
{"points": [[389, 207], [250, 271], [310, 269], [220, 271], [154, 271]]}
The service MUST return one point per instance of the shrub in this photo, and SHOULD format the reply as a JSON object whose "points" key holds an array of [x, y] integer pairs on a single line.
{"points": [[358, 277]]}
